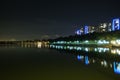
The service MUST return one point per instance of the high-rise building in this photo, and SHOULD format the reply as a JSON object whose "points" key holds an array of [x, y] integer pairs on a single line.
{"points": [[104, 27], [116, 24], [89, 29], [79, 31], [109, 26], [85, 30]]}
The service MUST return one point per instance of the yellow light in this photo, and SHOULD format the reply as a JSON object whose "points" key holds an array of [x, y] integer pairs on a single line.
{"points": [[113, 42], [113, 51], [39, 44]]}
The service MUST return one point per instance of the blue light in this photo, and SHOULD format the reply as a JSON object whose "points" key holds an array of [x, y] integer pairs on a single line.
{"points": [[86, 30], [116, 67], [79, 57], [115, 24], [78, 32], [86, 60]]}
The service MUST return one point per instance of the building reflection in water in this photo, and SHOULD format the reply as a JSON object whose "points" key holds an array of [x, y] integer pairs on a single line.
{"points": [[80, 57], [115, 66], [86, 60], [104, 63]]}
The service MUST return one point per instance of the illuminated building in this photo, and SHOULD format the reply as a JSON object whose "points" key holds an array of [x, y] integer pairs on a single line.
{"points": [[104, 27], [116, 24], [79, 31], [86, 30], [109, 27], [89, 29]]}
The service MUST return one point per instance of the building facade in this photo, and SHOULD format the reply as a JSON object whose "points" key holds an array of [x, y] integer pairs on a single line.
{"points": [[102, 27]]}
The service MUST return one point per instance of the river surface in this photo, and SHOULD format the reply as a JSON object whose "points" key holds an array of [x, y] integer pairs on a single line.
{"points": [[20, 63]]}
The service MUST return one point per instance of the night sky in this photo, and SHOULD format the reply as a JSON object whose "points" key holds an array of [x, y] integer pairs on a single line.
{"points": [[38, 19]]}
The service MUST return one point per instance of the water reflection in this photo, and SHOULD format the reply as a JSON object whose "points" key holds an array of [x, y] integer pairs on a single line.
{"points": [[88, 49], [26, 45], [80, 57], [115, 66], [39, 44], [86, 60], [114, 51]]}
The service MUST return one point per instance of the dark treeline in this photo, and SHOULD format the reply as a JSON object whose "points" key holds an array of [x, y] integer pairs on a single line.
{"points": [[91, 36]]}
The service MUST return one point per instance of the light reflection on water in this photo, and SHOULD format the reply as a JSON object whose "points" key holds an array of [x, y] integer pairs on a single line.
{"points": [[114, 65], [25, 45], [88, 49], [104, 63]]}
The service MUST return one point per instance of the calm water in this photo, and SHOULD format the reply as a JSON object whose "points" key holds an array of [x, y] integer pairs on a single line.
{"points": [[17, 63]]}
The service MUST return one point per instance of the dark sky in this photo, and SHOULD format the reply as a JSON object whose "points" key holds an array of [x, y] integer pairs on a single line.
{"points": [[26, 19]]}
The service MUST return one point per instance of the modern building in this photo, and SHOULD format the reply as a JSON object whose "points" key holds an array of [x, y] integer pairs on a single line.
{"points": [[79, 31], [85, 30], [104, 27], [116, 24], [89, 29]]}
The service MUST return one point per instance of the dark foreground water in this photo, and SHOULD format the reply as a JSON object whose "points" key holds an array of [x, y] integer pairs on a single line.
{"points": [[49, 64]]}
